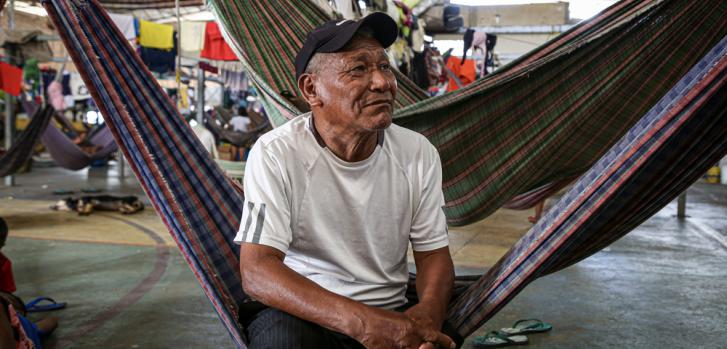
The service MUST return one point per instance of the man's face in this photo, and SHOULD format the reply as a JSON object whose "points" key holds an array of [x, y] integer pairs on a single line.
{"points": [[357, 86]]}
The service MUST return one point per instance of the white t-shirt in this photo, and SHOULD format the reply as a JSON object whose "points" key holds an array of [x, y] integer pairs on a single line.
{"points": [[240, 123], [345, 226], [207, 139]]}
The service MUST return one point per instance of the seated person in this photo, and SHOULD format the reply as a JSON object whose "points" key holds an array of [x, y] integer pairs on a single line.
{"points": [[333, 200], [85, 144], [16, 331], [240, 122]]}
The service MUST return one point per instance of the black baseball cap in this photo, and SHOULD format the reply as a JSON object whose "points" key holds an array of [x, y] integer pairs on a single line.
{"points": [[334, 35]]}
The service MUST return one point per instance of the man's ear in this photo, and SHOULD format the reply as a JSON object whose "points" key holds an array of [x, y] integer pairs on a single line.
{"points": [[307, 87]]}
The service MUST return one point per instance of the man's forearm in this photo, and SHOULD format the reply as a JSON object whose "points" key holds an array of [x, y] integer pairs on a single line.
{"points": [[435, 281], [274, 284]]}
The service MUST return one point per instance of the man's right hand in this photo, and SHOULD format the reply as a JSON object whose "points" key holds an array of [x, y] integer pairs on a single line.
{"points": [[389, 329]]}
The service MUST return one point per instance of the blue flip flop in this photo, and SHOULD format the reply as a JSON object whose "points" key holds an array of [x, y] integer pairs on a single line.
{"points": [[34, 306]]}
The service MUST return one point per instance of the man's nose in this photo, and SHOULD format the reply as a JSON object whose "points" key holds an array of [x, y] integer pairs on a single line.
{"points": [[380, 81]]}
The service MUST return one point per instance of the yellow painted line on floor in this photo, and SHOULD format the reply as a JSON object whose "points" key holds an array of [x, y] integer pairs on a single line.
{"points": [[35, 220]]}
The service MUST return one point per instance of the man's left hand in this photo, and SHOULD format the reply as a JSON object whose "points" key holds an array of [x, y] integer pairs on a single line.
{"points": [[427, 318]]}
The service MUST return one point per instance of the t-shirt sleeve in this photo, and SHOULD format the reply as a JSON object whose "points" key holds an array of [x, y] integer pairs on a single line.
{"points": [[266, 212], [429, 225]]}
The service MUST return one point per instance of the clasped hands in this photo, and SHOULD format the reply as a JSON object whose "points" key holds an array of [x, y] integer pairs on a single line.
{"points": [[416, 328]]}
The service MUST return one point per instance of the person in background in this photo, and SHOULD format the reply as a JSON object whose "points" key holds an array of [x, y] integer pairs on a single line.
{"points": [[16, 331], [7, 281], [240, 122]]}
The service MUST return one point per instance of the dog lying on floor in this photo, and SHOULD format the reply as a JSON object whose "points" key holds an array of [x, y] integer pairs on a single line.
{"points": [[85, 205]]}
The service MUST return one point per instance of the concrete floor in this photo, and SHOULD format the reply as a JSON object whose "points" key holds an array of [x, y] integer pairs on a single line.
{"points": [[662, 286]]}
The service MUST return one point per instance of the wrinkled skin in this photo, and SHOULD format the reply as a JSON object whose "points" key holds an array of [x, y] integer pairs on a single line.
{"points": [[352, 98]]}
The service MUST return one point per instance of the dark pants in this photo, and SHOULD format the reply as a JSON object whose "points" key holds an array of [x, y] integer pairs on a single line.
{"points": [[274, 329]]}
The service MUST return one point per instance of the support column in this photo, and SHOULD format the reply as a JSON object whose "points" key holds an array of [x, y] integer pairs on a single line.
{"points": [[682, 205], [200, 96]]}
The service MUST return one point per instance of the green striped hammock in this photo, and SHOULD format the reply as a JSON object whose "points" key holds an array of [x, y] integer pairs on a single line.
{"points": [[525, 131]]}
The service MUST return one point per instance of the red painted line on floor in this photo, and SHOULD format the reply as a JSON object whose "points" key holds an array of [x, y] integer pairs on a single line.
{"points": [[141, 289]]}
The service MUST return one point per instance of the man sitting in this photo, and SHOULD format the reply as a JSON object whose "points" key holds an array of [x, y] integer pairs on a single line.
{"points": [[332, 200]]}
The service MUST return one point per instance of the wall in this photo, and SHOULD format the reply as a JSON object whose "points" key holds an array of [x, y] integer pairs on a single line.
{"points": [[509, 15]]}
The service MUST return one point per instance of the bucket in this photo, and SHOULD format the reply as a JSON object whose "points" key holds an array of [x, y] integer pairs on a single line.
{"points": [[713, 175]]}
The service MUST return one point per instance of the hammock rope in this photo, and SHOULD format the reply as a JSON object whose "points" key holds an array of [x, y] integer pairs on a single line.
{"points": [[680, 135]]}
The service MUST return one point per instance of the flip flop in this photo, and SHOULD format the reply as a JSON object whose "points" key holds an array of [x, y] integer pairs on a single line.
{"points": [[34, 306], [497, 339], [527, 326]]}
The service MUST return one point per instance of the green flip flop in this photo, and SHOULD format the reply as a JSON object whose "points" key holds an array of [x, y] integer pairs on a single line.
{"points": [[527, 326], [497, 339]]}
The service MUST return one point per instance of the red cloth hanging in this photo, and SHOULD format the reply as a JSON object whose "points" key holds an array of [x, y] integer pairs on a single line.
{"points": [[7, 282], [11, 79], [215, 47]]}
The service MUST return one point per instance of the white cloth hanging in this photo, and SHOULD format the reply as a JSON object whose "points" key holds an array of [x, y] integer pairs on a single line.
{"points": [[125, 24]]}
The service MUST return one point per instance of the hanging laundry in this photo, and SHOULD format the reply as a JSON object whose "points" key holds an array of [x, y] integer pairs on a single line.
{"points": [[66, 83], [154, 35], [208, 68], [183, 101], [192, 37], [465, 72], [349, 9], [160, 61], [126, 25], [31, 75], [78, 88], [417, 36], [11, 79], [215, 47], [213, 94], [235, 81], [490, 42]]}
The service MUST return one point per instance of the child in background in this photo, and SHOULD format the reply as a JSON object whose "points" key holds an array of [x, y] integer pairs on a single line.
{"points": [[7, 282], [16, 331]]}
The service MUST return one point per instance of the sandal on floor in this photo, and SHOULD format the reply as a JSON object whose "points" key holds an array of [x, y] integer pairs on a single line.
{"points": [[497, 339], [34, 306], [527, 326]]}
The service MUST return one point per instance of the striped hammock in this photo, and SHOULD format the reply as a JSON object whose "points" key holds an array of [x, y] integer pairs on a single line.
{"points": [[669, 147], [531, 126], [22, 149], [148, 4]]}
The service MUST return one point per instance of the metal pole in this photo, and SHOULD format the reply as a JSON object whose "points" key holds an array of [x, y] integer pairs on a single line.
{"points": [[179, 51], [9, 102], [682, 205], [200, 96], [122, 165]]}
